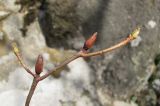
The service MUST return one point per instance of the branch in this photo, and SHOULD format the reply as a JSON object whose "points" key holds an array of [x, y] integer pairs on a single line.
{"points": [[82, 53], [88, 44], [60, 66], [31, 91], [18, 55], [131, 37]]}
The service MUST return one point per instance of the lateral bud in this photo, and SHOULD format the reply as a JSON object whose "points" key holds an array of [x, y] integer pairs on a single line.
{"points": [[90, 42], [39, 65]]}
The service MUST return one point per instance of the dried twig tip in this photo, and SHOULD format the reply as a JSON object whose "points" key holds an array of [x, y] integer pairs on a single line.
{"points": [[15, 48], [136, 32], [90, 42]]}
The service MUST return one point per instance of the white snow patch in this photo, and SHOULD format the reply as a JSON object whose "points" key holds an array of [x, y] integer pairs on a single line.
{"points": [[4, 13], [46, 56], [79, 70], [8, 57], [136, 42], [10, 4], [152, 24], [12, 98], [19, 79], [156, 84], [50, 92]]}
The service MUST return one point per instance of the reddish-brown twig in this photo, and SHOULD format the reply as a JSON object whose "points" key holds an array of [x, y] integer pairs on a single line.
{"points": [[131, 37], [82, 53], [59, 66], [31, 91]]}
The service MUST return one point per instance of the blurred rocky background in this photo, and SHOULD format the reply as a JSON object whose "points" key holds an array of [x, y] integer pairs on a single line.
{"points": [[129, 76]]}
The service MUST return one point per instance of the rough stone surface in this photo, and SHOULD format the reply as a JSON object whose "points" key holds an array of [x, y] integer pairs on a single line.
{"points": [[63, 19], [120, 103], [34, 25], [129, 67]]}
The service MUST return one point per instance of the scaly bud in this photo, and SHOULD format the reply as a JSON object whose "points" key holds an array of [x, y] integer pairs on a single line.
{"points": [[15, 48], [39, 65], [135, 33], [89, 43]]}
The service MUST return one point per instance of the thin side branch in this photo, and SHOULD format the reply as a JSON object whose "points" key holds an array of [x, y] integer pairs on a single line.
{"points": [[131, 37], [126, 41], [18, 55], [59, 66]]}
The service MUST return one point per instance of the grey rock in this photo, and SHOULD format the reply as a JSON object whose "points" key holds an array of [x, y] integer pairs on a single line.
{"points": [[63, 19], [129, 67], [10, 5], [7, 64], [127, 70], [4, 14], [147, 97], [121, 103], [10, 28], [119, 74], [12, 25]]}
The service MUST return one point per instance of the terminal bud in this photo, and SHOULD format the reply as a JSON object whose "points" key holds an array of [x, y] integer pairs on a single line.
{"points": [[39, 65]]}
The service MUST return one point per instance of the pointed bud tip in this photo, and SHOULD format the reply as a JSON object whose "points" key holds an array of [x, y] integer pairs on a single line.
{"points": [[90, 42], [136, 32], [95, 34]]}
